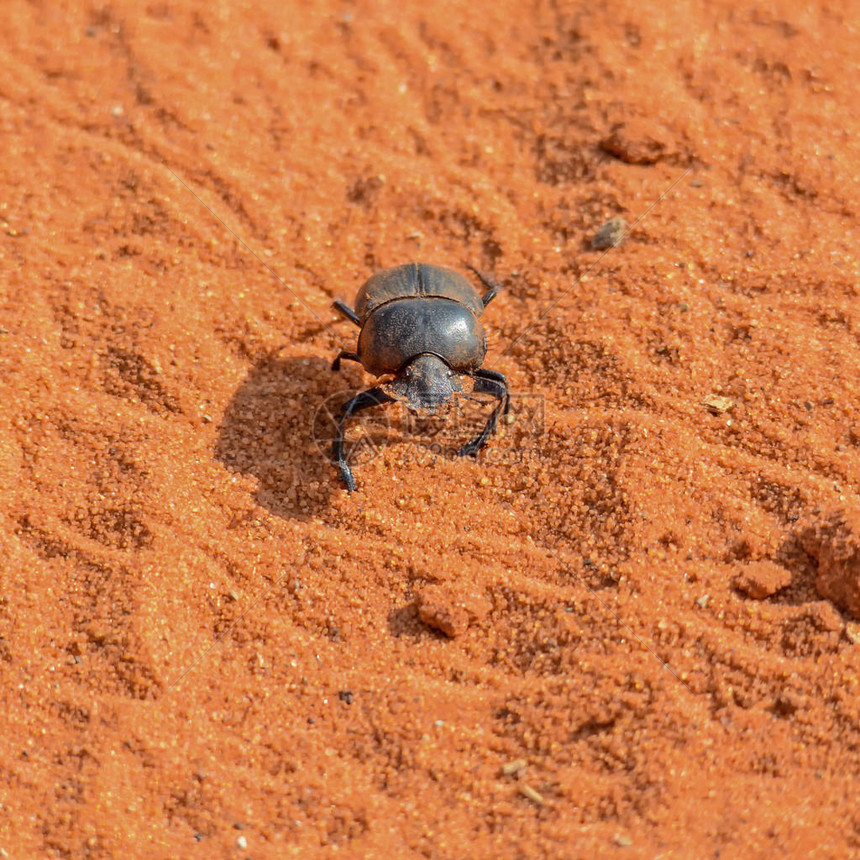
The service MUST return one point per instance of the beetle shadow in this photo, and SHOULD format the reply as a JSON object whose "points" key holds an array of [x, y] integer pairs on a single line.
{"points": [[268, 431], [802, 589]]}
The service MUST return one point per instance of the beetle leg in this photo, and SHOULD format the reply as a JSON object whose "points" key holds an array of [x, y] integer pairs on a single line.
{"points": [[488, 382], [492, 287], [349, 356], [490, 295], [373, 397], [347, 311]]}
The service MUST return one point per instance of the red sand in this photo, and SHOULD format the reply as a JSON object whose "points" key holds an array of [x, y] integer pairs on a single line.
{"points": [[208, 649]]}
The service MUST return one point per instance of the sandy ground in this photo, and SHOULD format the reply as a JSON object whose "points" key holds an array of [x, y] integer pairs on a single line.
{"points": [[630, 629]]}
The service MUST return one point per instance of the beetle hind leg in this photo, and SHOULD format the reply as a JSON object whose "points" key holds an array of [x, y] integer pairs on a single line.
{"points": [[495, 383], [373, 397]]}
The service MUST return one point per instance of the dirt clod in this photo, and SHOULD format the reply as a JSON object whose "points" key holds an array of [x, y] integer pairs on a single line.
{"points": [[451, 609], [638, 140], [761, 579]]}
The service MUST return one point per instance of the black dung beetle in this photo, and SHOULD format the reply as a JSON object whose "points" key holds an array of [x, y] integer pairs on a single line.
{"points": [[422, 324]]}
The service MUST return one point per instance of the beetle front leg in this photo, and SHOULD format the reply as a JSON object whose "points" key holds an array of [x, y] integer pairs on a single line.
{"points": [[347, 311], [373, 397], [495, 383]]}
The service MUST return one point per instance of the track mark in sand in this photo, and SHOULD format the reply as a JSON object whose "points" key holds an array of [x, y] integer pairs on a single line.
{"points": [[101, 592], [128, 372]]}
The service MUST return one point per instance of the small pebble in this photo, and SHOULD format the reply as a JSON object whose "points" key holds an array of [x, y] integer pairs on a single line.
{"points": [[610, 234], [717, 404], [531, 794]]}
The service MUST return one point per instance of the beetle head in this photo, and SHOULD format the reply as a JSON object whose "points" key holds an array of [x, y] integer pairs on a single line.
{"points": [[424, 384]]}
